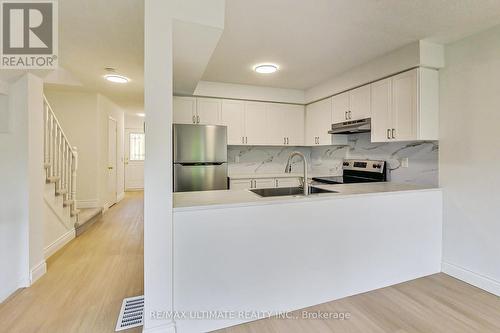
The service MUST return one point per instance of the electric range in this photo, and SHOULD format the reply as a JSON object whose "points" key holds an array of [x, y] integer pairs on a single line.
{"points": [[358, 171]]}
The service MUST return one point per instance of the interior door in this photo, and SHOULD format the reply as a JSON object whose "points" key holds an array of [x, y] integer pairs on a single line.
{"points": [[134, 159], [112, 158], [381, 110], [233, 116]]}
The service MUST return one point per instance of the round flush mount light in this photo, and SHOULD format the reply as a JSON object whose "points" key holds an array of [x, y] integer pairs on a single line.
{"points": [[115, 78], [266, 68], [141, 114]]}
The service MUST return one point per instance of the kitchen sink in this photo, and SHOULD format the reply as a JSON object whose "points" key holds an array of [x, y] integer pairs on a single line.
{"points": [[284, 191]]}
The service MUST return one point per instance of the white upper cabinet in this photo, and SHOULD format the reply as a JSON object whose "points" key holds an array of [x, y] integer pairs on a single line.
{"points": [[184, 110], [340, 108], [352, 105], [294, 124], [381, 110], [285, 124], [359, 103], [405, 107], [191, 110], [275, 125], [233, 116], [208, 111], [256, 123], [318, 122]]}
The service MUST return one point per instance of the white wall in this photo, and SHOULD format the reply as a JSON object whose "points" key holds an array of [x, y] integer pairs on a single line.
{"points": [[248, 92], [84, 119], [134, 122], [21, 193], [78, 114], [469, 159], [419, 53]]}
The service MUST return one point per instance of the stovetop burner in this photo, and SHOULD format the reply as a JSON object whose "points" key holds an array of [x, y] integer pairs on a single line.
{"points": [[358, 171]]}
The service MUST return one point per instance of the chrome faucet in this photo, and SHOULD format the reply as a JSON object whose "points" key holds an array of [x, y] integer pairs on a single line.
{"points": [[288, 168]]}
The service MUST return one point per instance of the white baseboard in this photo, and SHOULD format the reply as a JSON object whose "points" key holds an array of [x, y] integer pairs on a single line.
{"points": [[472, 278], [59, 243], [93, 203], [165, 328], [37, 272], [120, 197], [134, 189]]}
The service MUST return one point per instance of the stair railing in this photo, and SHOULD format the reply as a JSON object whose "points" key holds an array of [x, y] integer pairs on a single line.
{"points": [[60, 158]]}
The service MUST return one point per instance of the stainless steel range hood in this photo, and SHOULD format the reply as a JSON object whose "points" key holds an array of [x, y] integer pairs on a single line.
{"points": [[353, 126]]}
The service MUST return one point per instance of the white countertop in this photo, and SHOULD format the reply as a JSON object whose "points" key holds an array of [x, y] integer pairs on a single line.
{"points": [[274, 175], [186, 201]]}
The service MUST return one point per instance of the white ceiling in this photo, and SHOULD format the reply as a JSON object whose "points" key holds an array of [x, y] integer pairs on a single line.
{"points": [[94, 34], [313, 40]]}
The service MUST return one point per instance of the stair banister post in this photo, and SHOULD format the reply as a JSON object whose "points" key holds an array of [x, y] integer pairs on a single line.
{"points": [[73, 175]]}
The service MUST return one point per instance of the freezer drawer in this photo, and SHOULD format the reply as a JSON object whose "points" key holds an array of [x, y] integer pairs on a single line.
{"points": [[200, 143], [200, 177]]}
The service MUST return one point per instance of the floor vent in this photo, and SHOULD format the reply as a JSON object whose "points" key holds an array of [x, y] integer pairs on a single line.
{"points": [[131, 313]]}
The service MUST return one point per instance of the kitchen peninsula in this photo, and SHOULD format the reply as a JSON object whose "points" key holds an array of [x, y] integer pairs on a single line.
{"points": [[306, 250]]}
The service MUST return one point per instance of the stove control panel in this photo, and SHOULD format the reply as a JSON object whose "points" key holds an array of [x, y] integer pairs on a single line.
{"points": [[364, 165]]}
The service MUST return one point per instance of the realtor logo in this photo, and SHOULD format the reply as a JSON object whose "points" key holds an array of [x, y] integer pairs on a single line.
{"points": [[29, 34]]}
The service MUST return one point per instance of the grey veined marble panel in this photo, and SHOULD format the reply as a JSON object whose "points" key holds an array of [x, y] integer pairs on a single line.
{"points": [[327, 160]]}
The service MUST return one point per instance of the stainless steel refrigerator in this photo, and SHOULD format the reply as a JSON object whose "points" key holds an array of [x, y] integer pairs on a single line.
{"points": [[200, 157]]}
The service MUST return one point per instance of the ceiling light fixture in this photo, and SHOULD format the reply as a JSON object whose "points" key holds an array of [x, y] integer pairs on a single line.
{"points": [[115, 78], [265, 68], [141, 114]]}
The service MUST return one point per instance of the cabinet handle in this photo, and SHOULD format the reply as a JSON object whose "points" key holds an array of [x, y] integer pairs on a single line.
{"points": [[198, 119], [388, 134], [287, 141], [284, 141], [243, 140], [194, 119], [350, 114], [346, 115], [277, 185], [393, 133], [246, 139]]}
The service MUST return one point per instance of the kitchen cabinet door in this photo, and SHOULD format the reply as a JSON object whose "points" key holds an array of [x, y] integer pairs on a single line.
{"points": [[233, 116], [208, 111], [276, 124], [360, 103], [184, 110], [294, 125], [264, 183], [287, 182], [256, 123], [404, 106], [240, 184], [381, 101], [340, 108], [318, 123]]}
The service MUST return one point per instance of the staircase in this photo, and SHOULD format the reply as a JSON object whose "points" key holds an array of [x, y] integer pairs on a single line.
{"points": [[61, 164]]}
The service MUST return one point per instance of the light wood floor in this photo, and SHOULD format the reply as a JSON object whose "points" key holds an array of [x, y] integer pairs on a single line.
{"points": [[86, 280], [434, 304]]}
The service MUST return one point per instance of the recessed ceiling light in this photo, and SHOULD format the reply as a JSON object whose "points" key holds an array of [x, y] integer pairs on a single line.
{"points": [[115, 78], [141, 114], [266, 68]]}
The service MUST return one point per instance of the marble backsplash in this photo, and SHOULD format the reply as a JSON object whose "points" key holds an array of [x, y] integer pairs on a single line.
{"points": [[327, 160]]}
